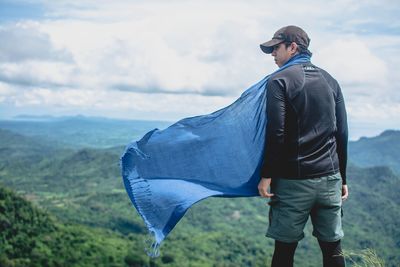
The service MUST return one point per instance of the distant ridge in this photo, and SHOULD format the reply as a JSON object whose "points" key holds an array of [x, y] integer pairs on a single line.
{"points": [[81, 131], [34, 118], [386, 133], [26, 117], [381, 150]]}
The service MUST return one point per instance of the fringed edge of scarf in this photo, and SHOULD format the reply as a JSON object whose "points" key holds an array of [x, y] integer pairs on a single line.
{"points": [[141, 199]]}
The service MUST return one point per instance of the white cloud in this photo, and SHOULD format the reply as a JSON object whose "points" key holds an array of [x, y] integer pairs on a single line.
{"points": [[184, 47], [101, 55], [125, 104], [374, 111], [6, 91], [39, 73], [28, 57], [353, 63], [178, 54], [23, 41], [61, 98]]}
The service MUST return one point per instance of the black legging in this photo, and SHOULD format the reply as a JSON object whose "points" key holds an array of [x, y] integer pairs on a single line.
{"points": [[332, 254], [284, 254]]}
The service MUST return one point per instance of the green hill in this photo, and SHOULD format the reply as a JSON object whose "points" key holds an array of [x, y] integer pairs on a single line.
{"points": [[83, 190], [14, 145], [31, 237]]}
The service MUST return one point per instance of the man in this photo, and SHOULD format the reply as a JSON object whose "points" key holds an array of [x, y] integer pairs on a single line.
{"points": [[305, 152]]}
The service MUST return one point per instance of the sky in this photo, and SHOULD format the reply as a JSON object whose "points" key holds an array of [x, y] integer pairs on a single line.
{"points": [[166, 60]]}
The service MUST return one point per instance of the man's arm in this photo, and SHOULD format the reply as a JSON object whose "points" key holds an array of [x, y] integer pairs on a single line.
{"points": [[341, 134], [263, 187], [342, 140], [274, 134], [275, 127]]}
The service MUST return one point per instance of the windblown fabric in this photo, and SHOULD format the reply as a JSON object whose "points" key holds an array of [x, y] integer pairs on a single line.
{"points": [[219, 154]]}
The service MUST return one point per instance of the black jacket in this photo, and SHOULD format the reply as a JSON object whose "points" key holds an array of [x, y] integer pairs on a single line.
{"points": [[306, 134]]}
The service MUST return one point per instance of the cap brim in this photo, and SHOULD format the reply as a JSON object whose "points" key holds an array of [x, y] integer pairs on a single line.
{"points": [[268, 47]]}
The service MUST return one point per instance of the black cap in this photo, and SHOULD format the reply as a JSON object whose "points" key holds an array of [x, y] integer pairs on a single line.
{"points": [[287, 34]]}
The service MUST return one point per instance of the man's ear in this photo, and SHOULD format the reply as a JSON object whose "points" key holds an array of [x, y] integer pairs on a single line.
{"points": [[293, 48]]}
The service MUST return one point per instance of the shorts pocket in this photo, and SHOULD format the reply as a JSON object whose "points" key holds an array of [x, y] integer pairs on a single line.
{"points": [[273, 214], [334, 188]]}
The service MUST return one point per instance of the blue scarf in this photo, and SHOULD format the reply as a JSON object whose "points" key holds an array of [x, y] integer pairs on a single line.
{"points": [[219, 154]]}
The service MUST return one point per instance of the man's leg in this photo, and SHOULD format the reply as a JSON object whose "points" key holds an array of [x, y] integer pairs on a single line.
{"points": [[289, 211], [326, 217], [332, 254], [283, 254]]}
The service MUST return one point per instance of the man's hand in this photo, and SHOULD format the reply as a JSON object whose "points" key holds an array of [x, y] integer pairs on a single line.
{"points": [[263, 187], [345, 192]]}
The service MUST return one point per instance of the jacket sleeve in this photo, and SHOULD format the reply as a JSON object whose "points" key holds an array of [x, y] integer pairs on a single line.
{"points": [[275, 126], [341, 133]]}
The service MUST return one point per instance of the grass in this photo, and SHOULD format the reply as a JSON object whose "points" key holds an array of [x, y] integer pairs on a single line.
{"points": [[364, 258]]}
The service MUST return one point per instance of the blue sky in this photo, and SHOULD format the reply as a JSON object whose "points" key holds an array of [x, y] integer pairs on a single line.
{"points": [[19, 10], [165, 60]]}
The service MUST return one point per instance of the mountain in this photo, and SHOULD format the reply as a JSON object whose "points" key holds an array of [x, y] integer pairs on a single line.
{"points": [[12, 142], [83, 190], [382, 150]]}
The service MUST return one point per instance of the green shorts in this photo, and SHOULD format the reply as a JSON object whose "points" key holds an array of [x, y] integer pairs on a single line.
{"points": [[295, 200]]}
